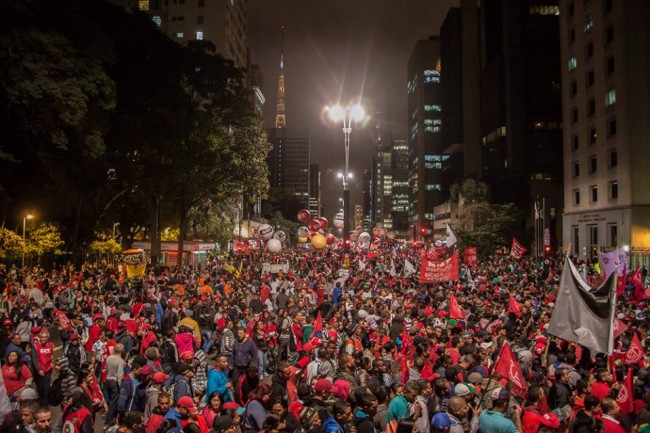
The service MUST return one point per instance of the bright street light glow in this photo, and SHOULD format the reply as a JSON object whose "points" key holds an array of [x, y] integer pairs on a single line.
{"points": [[350, 175], [357, 113], [339, 175], [29, 216], [336, 113]]}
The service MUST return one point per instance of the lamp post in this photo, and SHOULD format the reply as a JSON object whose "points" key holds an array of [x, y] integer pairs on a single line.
{"points": [[25, 218], [347, 115]]}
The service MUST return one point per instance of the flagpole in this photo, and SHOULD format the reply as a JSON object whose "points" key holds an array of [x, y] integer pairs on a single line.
{"points": [[487, 386]]}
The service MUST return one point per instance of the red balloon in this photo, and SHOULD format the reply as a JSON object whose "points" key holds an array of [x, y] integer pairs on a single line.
{"points": [[304, 215], [330, 238], [323, 222], [314, 225]]}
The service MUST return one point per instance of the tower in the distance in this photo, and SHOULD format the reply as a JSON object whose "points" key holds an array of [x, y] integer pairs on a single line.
{"points": [[280, 117]]}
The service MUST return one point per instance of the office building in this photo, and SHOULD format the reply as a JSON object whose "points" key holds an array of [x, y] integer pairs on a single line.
{"points": [[314, 205], [606, 102], [426, 151], [400, 187], [288, 162]]}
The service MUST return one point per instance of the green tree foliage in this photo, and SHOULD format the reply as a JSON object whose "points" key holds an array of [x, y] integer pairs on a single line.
{"points": [[107, 120], [493, 226], [11, 245], [44, 239]]}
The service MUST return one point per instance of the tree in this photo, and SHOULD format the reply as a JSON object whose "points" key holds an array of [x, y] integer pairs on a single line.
{"points": [[44, 239], [11, 245], [493, 227]]}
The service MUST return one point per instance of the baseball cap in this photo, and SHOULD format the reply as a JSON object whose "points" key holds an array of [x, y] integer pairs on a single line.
{"points": [[146, 370], [187, 403], [500, 394], [550, 420], [74, 336], [475, 378], [159, 377], [440, 420], [323, 385], [462, 389]]}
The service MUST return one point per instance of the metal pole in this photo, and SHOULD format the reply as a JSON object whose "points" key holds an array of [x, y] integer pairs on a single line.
{"points": [[24, 223], [347, 129]]}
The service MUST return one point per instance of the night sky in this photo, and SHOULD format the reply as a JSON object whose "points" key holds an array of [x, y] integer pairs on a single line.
{"points": [[340, 51]]}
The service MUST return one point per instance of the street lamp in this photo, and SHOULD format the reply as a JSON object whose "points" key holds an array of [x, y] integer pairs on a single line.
{"points": [[25, 218], [353, 113]]}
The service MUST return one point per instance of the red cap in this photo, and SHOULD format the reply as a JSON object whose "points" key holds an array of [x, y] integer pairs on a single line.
{"points": [[187, 403], [323, 385], [74, 337], [160, 377], [302, 363]]}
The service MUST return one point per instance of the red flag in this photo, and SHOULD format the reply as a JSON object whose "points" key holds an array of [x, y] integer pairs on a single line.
{"points": [[637, 278], [455, 312], [508, 367], [620, 284], [635, 353], [517, 250], [513, 306], [318, 326], [63, 320], [619, 327], [625, 396], [433, 269]]}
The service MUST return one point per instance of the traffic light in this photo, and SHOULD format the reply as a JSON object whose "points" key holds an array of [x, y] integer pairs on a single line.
{"points": [[423, 230], [548, 249]]}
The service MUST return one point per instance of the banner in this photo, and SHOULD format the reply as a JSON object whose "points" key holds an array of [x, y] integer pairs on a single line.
{"points": [[470, 256], [619, 327], [135, 261], [635, 353], [439, 271], [625, 398], [517, 250], [607, 262], [455, 312]]}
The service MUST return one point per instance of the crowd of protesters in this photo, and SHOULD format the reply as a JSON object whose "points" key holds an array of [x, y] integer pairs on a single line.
{"points": [[337, 342]]}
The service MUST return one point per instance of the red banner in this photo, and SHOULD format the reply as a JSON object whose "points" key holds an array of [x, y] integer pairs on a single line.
{"points": [[635, 353], [513, 306], [619, 327], [470, 256], [439, 271], [517, 250]]}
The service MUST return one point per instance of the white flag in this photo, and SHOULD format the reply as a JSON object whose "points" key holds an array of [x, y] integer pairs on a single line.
{"points": [[408, 268], [392, 268], [451, 237], [362, 265]]}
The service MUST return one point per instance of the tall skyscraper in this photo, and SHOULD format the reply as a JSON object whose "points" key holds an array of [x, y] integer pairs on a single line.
{"points": [[289, 158], [425, 122], [314, 191], [606, 101], [382, 177], [400, 188], [508, 92]]}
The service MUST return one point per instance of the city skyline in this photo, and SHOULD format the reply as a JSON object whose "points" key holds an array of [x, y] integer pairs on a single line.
{"points": [[363, 56]]}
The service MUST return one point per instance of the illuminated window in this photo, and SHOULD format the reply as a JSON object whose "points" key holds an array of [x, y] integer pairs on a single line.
{"points": [[428, 107], [143, 5], [156, 19], [199, 36], [573, 63], [180, 35], [610, 98], [589, 21]]}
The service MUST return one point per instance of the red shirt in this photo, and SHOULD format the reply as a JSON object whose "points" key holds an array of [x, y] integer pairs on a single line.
{"points": [[44, 354], [600, 389], [611, 426], [530, 421], [93, 335], [12, 382]]}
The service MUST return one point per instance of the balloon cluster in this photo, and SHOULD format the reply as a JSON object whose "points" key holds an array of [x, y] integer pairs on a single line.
{"points": [[314, 230], [274, 239]]}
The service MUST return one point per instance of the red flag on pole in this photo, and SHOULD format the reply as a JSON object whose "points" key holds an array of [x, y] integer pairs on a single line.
{"points": [[620, 284], [517, 250], [619, 327], [635, 353], [625, 398], [513, 306], [637, 278], [318, 326], [455, 312], [508, 367]]}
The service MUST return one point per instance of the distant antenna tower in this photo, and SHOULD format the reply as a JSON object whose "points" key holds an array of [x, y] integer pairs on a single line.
{"points": [[280, 117]]}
